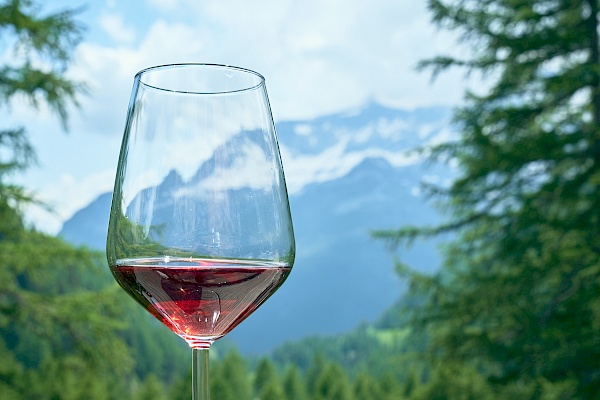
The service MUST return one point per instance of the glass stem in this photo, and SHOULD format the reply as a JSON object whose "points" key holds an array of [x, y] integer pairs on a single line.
{"points": [[200, 384]]}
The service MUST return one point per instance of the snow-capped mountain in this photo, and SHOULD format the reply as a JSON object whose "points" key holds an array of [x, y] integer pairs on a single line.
{"points": [[347, 174]]}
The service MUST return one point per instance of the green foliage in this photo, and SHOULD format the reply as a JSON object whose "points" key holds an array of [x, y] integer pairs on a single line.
{"points": [[41, 49], [42, 52], [314, 372], [454, 382], [294, 387], [233, 370], [52, 327], [265, 373], [332, 384], [220, 389], [181, 389], [127, 239], [517, 301], [151, 388], [366, 387], [153, 346], [63, 329], [364, 348], [272, 390], [391, 388]]}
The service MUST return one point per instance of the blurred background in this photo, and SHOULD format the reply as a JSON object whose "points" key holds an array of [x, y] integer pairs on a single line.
{"points": [[492, 166]]}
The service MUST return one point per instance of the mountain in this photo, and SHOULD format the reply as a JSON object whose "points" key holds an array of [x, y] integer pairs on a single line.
{"points": [[89, 225], [356, 177]]}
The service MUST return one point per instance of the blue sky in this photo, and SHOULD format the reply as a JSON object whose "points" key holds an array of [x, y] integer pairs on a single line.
{"points": [[318, 57]]}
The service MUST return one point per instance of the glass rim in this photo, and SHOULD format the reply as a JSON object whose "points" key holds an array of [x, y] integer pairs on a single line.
{"points": [[261, 78]]}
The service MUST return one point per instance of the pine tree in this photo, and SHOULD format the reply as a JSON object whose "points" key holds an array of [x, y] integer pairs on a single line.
{"points": [[390, 388], [41, 54], [456, 382], [333, 384], [150, 388], [220, 388], [181, 389], [314, 371], [272, 390], [294, 386], [10, 371], [519, 294], [411, 382], [366, 387], [233, 368], [265, 373]]}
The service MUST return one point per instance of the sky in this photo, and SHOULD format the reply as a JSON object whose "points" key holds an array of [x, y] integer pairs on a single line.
{"points": [[318, 57]]}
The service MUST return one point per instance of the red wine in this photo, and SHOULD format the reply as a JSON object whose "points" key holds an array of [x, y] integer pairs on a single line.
{"points": [[200, 299]]}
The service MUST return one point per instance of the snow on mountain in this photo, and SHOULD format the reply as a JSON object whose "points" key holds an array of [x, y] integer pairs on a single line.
{"points": [[329, 147]]}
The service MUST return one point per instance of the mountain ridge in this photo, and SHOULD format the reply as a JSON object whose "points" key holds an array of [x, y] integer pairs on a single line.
{"points": [[342, 277]]}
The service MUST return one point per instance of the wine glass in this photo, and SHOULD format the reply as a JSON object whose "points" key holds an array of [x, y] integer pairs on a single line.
{"points": [[200, 231]]}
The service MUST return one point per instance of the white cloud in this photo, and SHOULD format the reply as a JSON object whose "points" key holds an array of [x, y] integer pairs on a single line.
{"points": [[109, 72], [383, 128], [444, 135], [302, 169], [303, 129], [318, 57], [114, 25], [333, 162], [66, 195], [249, 169], [164, 5]]}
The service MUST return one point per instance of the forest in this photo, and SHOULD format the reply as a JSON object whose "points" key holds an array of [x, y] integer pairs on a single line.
{"points": [[513, 313]]}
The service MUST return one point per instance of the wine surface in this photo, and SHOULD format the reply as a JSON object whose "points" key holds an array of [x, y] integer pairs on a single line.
{"points": [[201, 300]]}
